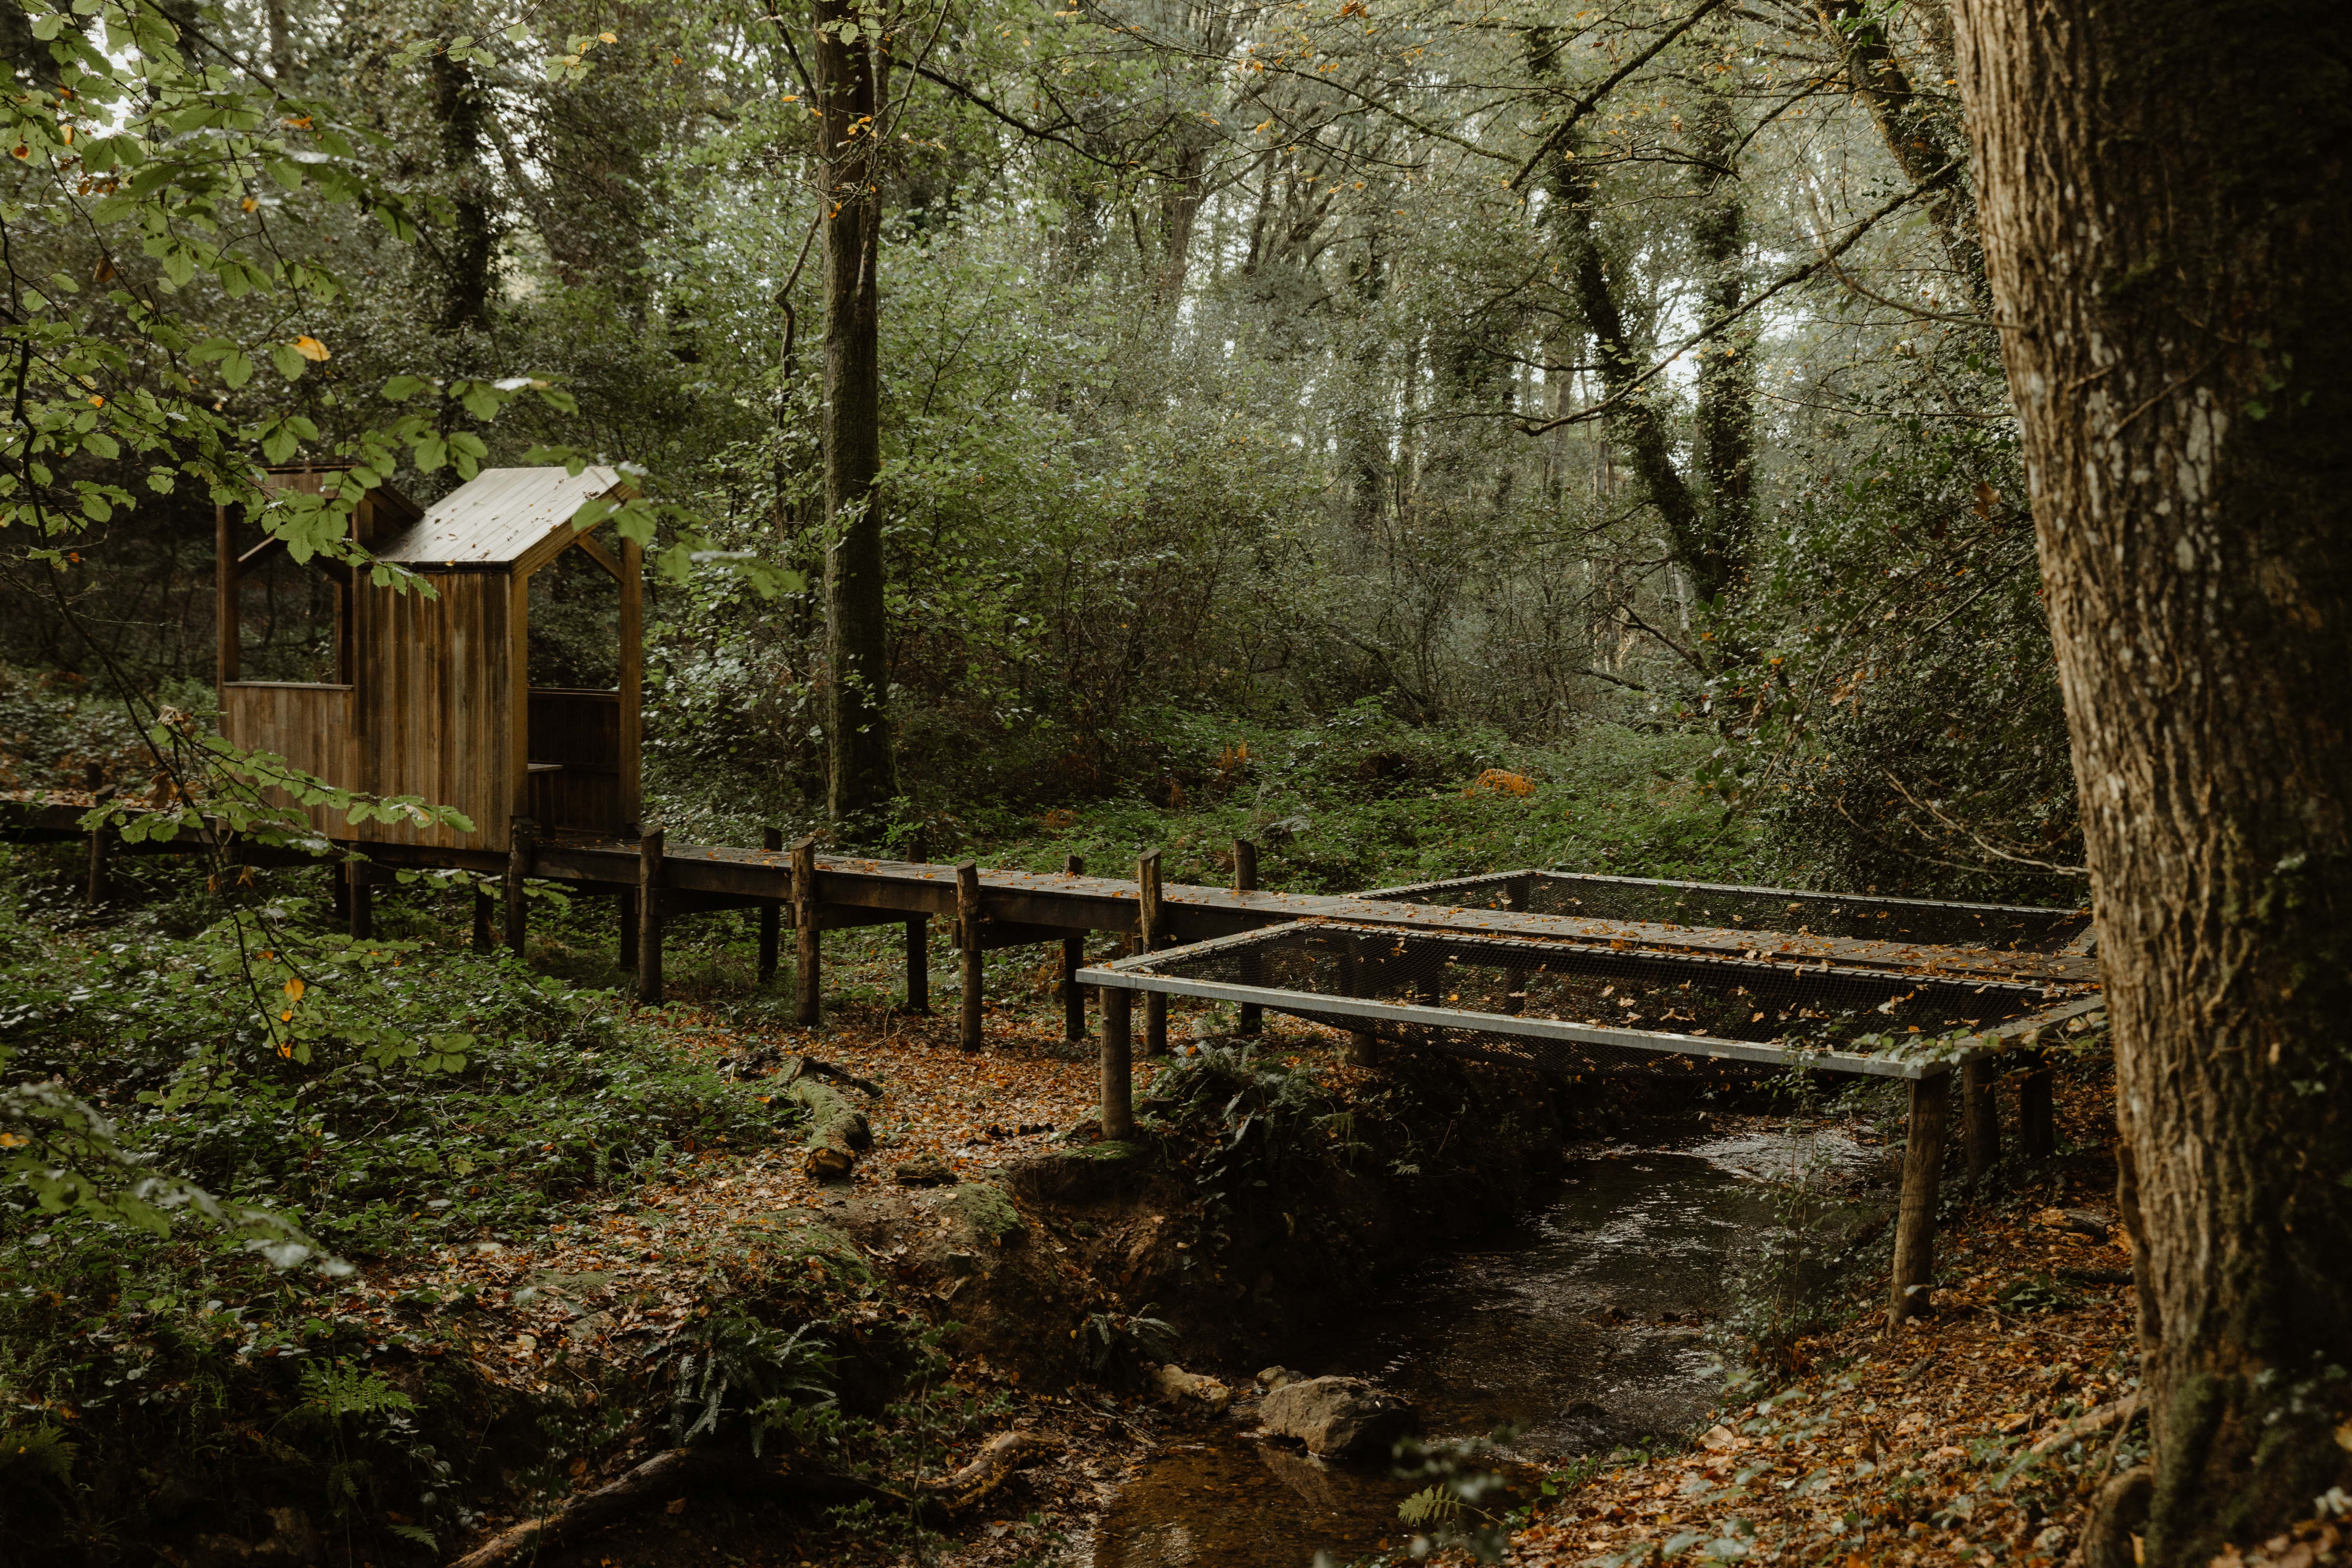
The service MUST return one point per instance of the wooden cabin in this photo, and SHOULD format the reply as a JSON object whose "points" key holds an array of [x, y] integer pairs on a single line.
{"points": [[431, 696]]}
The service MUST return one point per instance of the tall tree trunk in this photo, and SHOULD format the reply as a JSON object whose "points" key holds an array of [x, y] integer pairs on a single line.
{"points": [[1364, 426], [2167, 217], [1928, 150], [1179, 206], [281, 39], [1568, 214], [1648, 443], [863, 777], [472, 241], [1726, 372]]}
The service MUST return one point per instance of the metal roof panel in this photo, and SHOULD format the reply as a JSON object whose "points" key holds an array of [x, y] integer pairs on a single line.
{"points": [[498, 517]]}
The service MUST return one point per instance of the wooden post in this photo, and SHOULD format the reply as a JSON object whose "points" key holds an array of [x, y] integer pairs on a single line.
{"points": [[2037, 1121], [1979, 1120], [1149, 932], [628, 913], [1117, 1079], [482, 906], [1253, 1019], [968, 941], [771, 916], [1915, 1222], [1517, 893], [807, 933], [1363, 1048], [631, 682], [919, 966], [519, 847], [1074, 958], [649, 924], [361, 924], [95, 776], [226, 640]]}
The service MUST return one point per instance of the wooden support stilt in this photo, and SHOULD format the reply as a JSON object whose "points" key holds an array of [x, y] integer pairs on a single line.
{"points": [[483, 906], [1117, 1068], [2037, 1121], [918, 967], [967, 946], [362, 923], [649, 921], [1151, 930], [771, 916], [95, 777], [807, 933], [1915, 1222], [1979, 1120], [628, 903], [1517, 893], [1363, 1048], [518, 858], [1074, 958], [1253, 1019]]}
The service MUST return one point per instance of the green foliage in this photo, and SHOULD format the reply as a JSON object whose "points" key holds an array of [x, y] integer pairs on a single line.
{"points": [[2036, 1293], [1455, 1508], [1118, 1344], [774, 1377], [398, 1088]]}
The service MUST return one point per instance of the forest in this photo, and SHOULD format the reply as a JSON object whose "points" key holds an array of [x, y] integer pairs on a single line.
{"points": [[1789, 456]]}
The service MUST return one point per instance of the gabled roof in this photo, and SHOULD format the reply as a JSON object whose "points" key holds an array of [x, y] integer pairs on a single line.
{"points": [[501, 518]]}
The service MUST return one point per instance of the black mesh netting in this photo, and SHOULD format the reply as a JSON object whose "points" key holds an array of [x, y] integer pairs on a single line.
{"points": [[1927, 921], [1579, 1007]]}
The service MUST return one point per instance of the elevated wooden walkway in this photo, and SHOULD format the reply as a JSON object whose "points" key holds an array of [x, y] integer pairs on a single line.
{"points": [[1016, 909], [652, 880]]}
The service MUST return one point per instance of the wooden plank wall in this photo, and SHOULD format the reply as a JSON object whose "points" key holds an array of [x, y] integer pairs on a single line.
{"points": [[309, 726], [440, 718]]}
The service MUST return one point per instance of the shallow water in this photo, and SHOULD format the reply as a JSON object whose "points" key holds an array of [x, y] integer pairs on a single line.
{"points": [[1584, 1329]]}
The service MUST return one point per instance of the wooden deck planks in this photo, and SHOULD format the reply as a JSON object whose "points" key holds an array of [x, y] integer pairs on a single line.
{"points": [[1058, 902]]}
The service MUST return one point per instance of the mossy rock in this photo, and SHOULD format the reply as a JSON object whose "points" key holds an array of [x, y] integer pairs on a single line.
{"points": [[986, 1210]]}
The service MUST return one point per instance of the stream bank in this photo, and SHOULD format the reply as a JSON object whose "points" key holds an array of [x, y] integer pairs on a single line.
{"points": [[1593, 1322]]}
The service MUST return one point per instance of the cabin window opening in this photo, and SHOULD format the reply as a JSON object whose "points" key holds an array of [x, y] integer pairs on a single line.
{"points": [[290, 621], [576, 625]]}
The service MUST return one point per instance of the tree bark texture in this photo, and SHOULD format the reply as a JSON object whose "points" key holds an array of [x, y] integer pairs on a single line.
{"points": [[2164, 197], [851, 70]]}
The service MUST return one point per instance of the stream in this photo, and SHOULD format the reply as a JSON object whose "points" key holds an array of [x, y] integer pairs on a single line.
{"points": [[1584, 1328]]}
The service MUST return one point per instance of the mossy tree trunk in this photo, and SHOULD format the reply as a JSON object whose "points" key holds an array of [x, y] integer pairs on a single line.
{"points": [[852, 66]]}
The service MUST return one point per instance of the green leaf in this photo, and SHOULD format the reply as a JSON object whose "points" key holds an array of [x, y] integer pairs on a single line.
{"points": [[401, 388], [236, 370], [290, 363]]}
